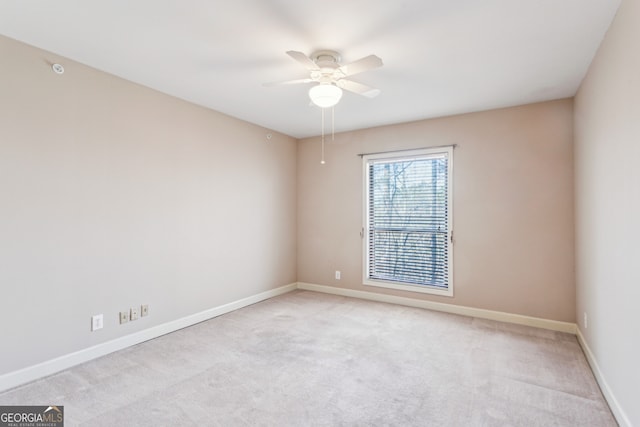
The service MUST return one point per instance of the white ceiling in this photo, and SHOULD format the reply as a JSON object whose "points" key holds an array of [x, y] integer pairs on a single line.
{"points": [[441, 57]]}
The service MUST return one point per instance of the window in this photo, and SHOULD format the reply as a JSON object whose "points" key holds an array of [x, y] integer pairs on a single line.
{"points": [[407, 232]]}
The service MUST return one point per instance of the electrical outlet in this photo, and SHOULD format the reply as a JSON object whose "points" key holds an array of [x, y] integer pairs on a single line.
{"points": [[338, 275], [97, 322], [144, 310], [586, 324], [124, 317], [134, 313]]}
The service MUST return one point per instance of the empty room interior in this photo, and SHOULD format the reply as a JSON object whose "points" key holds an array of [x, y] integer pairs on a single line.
{"points": [[321, 213]]}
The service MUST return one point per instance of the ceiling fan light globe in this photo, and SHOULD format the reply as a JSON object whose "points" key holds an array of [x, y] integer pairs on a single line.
{"points": [[325, 95]]}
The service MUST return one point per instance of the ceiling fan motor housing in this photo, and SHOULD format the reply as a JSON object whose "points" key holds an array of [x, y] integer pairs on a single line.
{"points": [[328, 62], [323, 58]]}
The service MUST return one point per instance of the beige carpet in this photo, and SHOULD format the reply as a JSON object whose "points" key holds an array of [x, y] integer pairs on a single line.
{"points": [[305, 359]]}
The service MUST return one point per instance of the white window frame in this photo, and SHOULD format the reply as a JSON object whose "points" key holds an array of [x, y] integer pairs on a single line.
{"points": [[399, 156]]}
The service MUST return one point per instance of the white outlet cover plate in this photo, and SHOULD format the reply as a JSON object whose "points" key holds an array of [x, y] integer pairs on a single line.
{"points": [[97, 322]]}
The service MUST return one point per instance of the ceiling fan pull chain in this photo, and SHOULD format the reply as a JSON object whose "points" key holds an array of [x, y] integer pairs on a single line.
{"points": [[322, 160], [333, 123]]}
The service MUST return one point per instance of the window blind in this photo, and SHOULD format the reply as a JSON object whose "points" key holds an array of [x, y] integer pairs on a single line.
{"points": [[408, 221]]}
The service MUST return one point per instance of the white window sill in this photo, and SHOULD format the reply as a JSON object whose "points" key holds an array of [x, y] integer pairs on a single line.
{"points": [[409, 288]]}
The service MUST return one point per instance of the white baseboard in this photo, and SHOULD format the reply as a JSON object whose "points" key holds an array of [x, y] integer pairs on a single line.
{"points": [[618, 412], [31, 373], [500, 316]]}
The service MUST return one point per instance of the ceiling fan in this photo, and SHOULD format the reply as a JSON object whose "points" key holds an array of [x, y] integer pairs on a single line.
{"points": [[331, 77]]}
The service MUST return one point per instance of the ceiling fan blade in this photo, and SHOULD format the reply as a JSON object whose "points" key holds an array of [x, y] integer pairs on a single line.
{"points": [[287, 82], [367, 63], [359, 88], [303, 59]]}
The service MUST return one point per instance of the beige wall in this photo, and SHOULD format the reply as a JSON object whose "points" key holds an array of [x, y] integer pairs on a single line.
{"points": [[607, 180], [512, 204], [113, 195]]}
